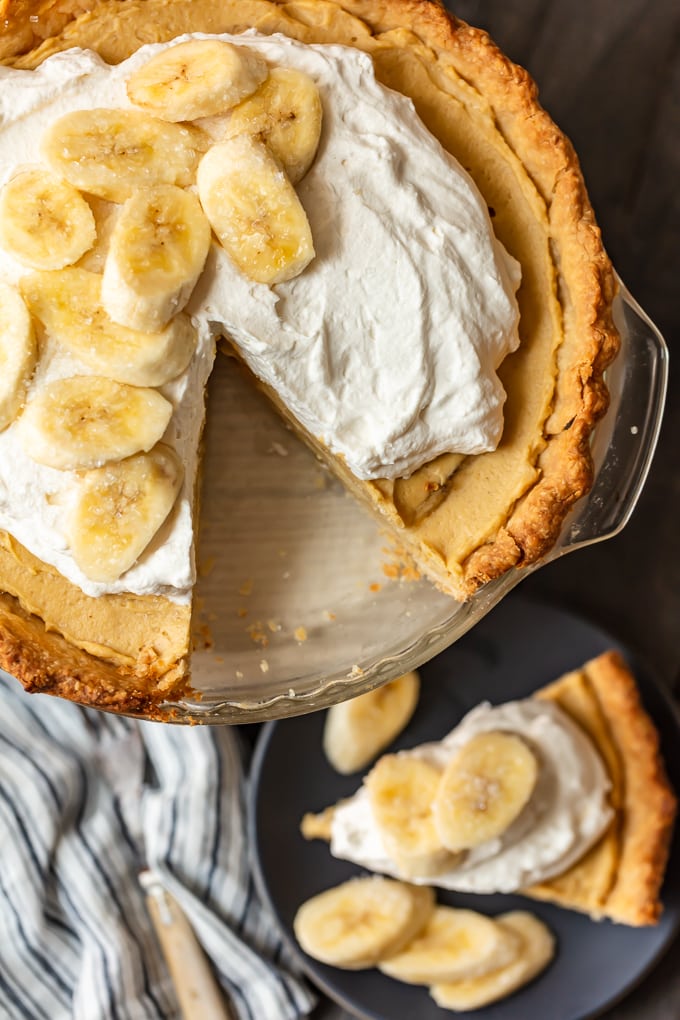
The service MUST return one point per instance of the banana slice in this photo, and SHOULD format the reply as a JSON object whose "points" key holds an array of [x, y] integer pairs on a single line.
{"points": [[114, 153], [355, 924], [45, 223], [105, 215], [356, 731], [86, 420], [157, 252], [254, 210], [483, 789], [535, 953], [401, 789], [198, 78], [454, 944], [285, 113], [118, 510], [68, 304], [18, 353]]}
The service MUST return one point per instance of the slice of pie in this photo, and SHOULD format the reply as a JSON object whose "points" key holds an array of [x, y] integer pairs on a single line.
{"points": [[464, 519], [621, 874]]}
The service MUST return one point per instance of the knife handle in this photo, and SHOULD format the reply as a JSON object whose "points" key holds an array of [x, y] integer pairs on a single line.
{"points": [[200, 997]]}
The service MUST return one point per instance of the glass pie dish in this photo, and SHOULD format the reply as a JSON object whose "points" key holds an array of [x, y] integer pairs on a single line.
{"points": [[300, 600]]}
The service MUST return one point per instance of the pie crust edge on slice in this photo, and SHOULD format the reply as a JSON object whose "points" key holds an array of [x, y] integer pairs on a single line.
{"points": [[641, 795], [621, 876], [131, 652]]}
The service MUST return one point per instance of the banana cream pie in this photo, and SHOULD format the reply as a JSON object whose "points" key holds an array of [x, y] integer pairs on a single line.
{"points": [[461, 414], [562, 796]]}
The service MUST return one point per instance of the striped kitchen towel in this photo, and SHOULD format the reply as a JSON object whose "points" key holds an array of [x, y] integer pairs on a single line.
{"points": [[87, 801]]}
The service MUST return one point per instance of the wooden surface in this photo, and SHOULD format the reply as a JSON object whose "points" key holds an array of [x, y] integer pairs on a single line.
{"points": [[609, 74]]}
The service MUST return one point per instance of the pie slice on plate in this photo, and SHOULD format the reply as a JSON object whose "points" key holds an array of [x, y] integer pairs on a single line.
{"points": [[620, 872], [464, 517]]}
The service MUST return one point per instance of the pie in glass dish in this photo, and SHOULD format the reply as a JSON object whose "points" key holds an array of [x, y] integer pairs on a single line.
{"points": [[464, 514]]}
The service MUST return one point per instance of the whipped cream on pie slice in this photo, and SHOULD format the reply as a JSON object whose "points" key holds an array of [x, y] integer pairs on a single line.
{"points": [[385, 347], [568, 810]]}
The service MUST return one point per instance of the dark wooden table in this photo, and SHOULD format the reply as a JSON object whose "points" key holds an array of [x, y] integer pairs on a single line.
{"points": [[609, 74]]}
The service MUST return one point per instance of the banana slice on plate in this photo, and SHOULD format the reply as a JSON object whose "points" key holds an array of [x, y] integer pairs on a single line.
{"points": [[483, 789], [198, 78], [357, 923], [85, 421], [18, 353], [254, 210], [114, 153], [286, 113], [401, 790], [536, 950], [454, 944], [119, 509], [157, 251], [68, 304], [356, 731], [45, 223]]}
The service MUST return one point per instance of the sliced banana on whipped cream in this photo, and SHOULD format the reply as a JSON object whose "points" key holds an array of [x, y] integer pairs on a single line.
{"points": [[119, 509], [86, 420], [483, 789], [156, 254], [197, 78], [45, 222], [126, 324], [524, 763], [108, 339], [114, 153], [18, 353], [285, 113], [254, 210], [68, 305], [401, 792]]}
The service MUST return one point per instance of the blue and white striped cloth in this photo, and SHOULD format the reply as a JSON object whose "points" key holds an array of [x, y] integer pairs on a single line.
{"points": [[87, 801]]}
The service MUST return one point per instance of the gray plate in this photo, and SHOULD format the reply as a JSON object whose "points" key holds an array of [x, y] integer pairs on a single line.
{"points": [[519, 647]]}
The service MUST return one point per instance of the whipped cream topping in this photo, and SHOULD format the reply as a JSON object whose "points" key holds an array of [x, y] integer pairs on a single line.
{"points": [[385, 347], [566, 814]]}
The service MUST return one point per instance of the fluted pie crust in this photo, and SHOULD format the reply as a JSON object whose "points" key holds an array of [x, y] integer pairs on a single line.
{"points": [[621, 876], [463, 523]]}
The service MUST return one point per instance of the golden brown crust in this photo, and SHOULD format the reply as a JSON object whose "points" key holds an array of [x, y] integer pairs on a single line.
{"points": [[622, 877], [649, 806], [116, 651], [586, 287], [45, 663], [418, 46]]}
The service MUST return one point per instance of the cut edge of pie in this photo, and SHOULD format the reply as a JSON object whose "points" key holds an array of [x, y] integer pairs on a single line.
{"points": [[462, 523]]}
